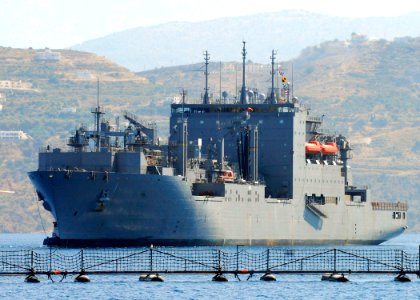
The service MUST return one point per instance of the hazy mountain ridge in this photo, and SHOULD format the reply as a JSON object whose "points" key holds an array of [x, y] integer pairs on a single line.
{"points": [[180, 43], [367, 90]]}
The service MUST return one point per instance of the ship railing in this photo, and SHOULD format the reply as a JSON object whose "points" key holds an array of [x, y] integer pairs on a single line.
{"points": [[49, 149], [313, 119], [399, 206], [44, 149], [65, 149]]}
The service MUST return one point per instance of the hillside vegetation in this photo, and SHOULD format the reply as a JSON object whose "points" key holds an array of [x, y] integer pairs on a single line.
{"points": [[48, 101], [367, 89]]}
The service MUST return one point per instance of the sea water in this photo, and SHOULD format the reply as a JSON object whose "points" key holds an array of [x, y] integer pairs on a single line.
{"points": [[188, 286]]}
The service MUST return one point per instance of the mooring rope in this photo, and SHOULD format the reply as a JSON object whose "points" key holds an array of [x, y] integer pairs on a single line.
{"points": [[40, 217]]}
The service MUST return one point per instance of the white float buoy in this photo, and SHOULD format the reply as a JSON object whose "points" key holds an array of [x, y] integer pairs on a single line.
{"points": [[82, 277], [334, 277], [151, 277], [268, 277]]}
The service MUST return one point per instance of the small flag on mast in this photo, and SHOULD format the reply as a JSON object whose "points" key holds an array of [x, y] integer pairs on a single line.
{"points": [[283, 78]]}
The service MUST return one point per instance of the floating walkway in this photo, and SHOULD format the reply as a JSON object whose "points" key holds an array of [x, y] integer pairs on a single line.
{"points": [[150, 262]]}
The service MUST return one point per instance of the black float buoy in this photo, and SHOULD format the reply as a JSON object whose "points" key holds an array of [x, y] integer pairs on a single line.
{"points": [[334, 277], [219, 277], [268, 277], [151, 277], [31, 278], [402, 277], [82, 277]]}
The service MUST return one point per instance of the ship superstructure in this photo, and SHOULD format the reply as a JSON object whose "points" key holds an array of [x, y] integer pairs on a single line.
{"points": [[257, 170]]}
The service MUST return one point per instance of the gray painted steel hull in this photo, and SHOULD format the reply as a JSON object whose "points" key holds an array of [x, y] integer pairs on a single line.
{"points": [[144, 209]]}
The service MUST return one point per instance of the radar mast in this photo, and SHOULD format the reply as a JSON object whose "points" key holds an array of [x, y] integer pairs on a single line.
{"points": [[97, 111], [243, 90], [273, 58], [206, 74]]}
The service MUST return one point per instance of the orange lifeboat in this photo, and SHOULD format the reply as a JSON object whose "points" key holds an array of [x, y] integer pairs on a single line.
{"points": [[226, 176], [329, 148], [313, 147]]}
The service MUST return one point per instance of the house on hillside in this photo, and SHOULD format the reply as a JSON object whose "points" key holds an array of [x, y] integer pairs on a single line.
{"points": [[48, 55], [14, 85], [13, 135]]}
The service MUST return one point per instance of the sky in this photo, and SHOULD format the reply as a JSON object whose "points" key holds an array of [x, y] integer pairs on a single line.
{"points": [[64, 23]]}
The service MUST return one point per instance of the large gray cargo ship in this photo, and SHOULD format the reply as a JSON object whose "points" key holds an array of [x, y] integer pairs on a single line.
{"points": [[257, 170]]}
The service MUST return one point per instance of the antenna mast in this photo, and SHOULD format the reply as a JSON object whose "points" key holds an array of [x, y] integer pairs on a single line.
{"points": [[273, 58], [220, 83], [97, 112], [183, 94], [206, 74], [243, 90], [292, 81], [97, 92], [236, 82]]}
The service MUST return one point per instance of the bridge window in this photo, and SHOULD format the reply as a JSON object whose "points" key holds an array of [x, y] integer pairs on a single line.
{"points": [[396, 215]]}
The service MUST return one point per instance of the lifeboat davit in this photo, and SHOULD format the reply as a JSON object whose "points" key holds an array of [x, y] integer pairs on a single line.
{"points": [[329, 148], [313, 147]]}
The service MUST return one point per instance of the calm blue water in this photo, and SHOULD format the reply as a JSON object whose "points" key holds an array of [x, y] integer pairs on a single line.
{"points": [[201, 286]]}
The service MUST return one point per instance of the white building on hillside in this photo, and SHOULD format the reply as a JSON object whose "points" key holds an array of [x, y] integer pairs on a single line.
{"points": [[10, 135], [48, 55]]}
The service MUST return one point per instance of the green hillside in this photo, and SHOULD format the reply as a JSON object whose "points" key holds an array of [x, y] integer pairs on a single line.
{"points": [[368, 90]]}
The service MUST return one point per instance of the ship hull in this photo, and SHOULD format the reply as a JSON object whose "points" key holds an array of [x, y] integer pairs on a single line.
{"points": [[81, 243], [115, 209]]}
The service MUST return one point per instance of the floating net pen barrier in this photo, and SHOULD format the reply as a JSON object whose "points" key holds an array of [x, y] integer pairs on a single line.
{"points": [[206, 260]]}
